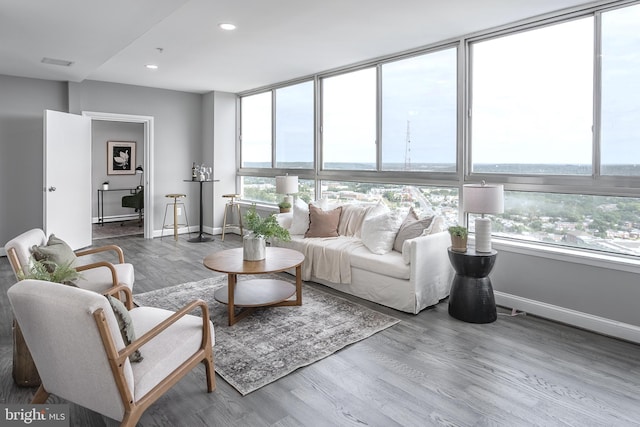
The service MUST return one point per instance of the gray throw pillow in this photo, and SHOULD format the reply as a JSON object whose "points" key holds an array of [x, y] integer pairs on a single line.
{"points": [[56, 251], [126, 326], [411, 227]]}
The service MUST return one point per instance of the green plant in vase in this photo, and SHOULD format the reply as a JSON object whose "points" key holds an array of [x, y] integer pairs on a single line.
{"points": [[459, 235], [262, 229]]}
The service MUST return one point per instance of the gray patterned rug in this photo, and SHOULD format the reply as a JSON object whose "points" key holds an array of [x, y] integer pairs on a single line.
{"points": [[275, 341]]}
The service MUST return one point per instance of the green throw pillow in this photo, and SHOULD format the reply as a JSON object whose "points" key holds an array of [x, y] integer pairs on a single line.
{"points": [[126, 325], [56, 251]]}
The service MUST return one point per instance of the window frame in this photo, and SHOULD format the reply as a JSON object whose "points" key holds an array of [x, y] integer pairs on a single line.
{"points": [[594, 184]]}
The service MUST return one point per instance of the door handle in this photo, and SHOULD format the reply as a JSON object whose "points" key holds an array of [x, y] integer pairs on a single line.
{"points": [[52, 188]]}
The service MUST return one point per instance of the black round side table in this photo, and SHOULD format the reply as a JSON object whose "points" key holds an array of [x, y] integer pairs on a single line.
{"points": [[471, 297]]}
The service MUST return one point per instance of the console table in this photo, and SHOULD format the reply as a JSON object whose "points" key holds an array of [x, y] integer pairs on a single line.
{"points": [[471, 298], [200, 237], [101, 200]]}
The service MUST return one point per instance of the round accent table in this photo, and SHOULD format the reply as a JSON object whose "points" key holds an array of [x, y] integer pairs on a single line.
{"points": [[471, 297], [250, 294]]}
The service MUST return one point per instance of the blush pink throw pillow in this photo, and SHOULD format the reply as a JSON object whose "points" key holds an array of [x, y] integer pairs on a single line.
{"points": [[323, 223]]}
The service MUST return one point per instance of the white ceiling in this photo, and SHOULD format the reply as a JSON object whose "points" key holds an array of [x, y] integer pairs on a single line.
{"points": [[276, 40]]}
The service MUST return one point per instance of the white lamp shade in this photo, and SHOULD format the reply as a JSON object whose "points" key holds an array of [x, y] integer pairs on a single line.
{"points": [[286, 184], [483, 198]]}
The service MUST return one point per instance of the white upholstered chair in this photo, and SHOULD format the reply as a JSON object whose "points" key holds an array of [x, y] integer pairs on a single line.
{"points": [[77, 346], [95, 276]]}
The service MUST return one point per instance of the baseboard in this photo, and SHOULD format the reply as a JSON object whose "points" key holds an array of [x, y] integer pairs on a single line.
{"points": [[575, 318], [116, 218]]}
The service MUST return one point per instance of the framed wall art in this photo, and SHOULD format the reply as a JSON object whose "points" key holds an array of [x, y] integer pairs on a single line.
{"points": [[121, 157]]}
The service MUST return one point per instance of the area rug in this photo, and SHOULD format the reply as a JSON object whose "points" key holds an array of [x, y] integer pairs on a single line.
{"points": [[274, 341]]}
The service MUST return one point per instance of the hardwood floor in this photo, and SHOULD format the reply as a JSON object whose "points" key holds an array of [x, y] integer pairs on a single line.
{"points": [[429, 369]]}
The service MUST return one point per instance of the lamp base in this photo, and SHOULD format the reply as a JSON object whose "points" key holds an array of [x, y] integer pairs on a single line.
{"points": [[483, 234], [289, 199]]}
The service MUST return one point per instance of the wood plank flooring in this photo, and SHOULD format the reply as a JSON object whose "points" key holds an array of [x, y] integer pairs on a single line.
{"points": [[429, 369]]}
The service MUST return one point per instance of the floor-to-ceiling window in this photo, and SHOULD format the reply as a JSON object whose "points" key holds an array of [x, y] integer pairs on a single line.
{"points": [[550, 108]]}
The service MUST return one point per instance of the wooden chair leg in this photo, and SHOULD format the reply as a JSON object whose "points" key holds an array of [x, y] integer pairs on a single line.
{"points": [[41, 395], [211, 374]]}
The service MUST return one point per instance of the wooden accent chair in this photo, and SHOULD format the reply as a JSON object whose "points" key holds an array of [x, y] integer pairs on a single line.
{"points": [[75, 340], [99, 276]]}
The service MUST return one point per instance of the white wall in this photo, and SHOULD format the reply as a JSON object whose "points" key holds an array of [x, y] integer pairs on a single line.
{"points": [[22, 103], [177, 134], [591, 294]]}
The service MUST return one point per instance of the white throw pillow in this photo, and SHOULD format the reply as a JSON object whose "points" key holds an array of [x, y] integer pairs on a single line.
{"points": [[379, 232], [300, 221]]}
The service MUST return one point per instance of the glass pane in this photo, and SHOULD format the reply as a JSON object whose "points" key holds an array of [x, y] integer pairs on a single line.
{"points": [[259, 189], [532, 99], [424, 200], [620, 129], [255, 119], [294, 126], [349, 121], [263, 190], [419, 113], [601, 223]]}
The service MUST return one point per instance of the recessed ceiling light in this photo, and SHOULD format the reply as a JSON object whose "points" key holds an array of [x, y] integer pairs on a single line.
{"points": [[152, 66], [227, 26]]}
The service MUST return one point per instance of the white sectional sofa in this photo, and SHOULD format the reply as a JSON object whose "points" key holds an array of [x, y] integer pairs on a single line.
{"points": [[417, 277]]}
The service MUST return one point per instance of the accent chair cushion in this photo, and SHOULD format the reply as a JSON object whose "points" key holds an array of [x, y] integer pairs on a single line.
{"points": [[56, 250], [126, 325], [323, 223]]}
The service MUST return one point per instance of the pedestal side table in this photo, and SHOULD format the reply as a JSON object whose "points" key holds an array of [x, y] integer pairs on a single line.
{"points": [[201, 237], [471, 298]]}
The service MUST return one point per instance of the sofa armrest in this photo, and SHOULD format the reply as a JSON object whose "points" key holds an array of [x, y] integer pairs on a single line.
{"points": [[431, 270]]}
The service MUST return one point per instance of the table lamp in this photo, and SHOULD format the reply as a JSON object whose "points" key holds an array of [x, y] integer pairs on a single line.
{"points": [[287, 185], [483, 199], [140, 171]]}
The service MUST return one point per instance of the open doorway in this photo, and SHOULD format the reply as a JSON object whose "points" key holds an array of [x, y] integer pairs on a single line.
{"points": [[135, 134], [117, 156]]}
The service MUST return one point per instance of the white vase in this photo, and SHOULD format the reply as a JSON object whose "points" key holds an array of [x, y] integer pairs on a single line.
{"points": [[254, 248]]}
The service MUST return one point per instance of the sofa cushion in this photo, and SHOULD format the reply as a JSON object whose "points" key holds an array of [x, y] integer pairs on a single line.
{"points": [[354, 214], [410, 228], [379, 232], [391, 264], [323, 223]]}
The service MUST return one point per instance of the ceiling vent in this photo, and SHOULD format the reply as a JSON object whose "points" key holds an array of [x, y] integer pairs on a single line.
{"points": [[61, 62]]}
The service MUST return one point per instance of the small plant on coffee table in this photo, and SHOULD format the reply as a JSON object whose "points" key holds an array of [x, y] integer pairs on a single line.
{"points": [[266, 227]]}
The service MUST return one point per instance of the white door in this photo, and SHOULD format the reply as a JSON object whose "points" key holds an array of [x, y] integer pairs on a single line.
{"points": [[67, 177]]}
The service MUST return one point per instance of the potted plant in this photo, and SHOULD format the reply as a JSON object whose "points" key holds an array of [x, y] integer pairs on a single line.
{"points": [[284, 206], [254, 243], [459, 236], [50, 272], [105, 185]]}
